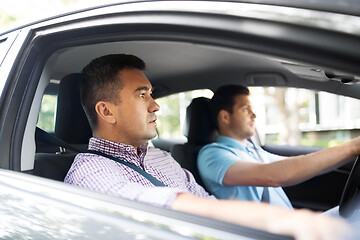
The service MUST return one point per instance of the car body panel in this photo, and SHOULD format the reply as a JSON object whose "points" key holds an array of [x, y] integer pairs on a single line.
{"points": [[45, 209]]}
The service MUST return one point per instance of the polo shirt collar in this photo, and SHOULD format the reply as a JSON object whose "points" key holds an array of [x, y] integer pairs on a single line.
{"points": [[231, 142]]}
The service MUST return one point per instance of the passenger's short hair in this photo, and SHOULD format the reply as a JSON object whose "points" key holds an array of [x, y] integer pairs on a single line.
{"points": [[101, 81], [224, 99]]}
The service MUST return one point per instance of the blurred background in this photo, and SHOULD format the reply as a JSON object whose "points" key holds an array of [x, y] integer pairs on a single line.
{"points": [[18, 12]]}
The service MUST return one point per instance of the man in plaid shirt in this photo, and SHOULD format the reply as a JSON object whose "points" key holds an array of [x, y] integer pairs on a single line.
{"points": [[117, 99]]}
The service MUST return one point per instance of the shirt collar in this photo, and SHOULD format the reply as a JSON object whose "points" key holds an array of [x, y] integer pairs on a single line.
{"points": [[231, 142], [248, 147], [119, 150]]}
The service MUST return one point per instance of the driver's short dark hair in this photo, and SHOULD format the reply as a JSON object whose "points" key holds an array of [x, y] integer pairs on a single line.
{"points": [[224, 99], [101, 81]]}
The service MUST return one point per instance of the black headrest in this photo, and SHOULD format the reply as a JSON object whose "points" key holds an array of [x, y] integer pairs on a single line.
{"points": [[71, 124], [199, 128]]}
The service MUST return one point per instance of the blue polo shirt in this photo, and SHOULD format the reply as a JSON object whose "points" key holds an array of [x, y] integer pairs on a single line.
{"points": [[215, 159]]}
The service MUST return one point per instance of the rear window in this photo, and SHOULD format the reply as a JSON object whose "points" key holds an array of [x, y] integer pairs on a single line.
{"points": [[47, 113], [171, 116]]}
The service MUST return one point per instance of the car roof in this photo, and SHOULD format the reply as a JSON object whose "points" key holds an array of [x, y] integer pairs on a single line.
{"points": [[348, 7], [179, 66]]}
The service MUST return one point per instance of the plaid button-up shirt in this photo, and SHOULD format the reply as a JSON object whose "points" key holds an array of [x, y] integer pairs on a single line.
{"points": [[107, 176]]}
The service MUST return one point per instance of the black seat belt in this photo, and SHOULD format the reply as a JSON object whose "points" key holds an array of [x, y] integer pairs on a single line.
{"points": [[53, 140], [47, 137]]}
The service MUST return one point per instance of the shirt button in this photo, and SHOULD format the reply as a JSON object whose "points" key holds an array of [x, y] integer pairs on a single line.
{"points": [[128, 149]]}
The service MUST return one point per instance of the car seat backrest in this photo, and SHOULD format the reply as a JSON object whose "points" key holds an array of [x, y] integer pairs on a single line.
{"points": [[71, 124], [200, 131], [199, 128]]}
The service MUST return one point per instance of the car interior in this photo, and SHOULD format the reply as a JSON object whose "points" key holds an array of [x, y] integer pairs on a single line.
{"points": [[174, 67]]}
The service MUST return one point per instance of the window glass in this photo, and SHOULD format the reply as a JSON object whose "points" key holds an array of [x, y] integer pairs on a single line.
{"points": [[171, 116], [47, 113], [302, 117]]}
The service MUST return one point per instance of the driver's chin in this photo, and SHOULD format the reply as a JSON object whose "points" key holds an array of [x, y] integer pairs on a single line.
{"points": [[253, 133], [250, 134], [151, 134]]}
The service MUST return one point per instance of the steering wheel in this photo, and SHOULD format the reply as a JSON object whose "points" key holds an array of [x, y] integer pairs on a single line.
{"points": [[351, 193]]}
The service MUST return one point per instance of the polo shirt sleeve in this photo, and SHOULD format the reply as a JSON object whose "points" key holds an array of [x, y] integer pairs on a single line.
{"points": [[213, 162]]}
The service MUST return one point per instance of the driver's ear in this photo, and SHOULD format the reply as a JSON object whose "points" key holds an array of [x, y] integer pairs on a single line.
{"points": [[224, 117], [105, 111]]}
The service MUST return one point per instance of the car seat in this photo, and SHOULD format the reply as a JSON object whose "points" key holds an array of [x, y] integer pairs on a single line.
{"points": [[71, 126], [199, 130]]}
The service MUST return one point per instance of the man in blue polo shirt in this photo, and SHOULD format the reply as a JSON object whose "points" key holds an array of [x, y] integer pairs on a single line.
{"points": [[233, 168]]}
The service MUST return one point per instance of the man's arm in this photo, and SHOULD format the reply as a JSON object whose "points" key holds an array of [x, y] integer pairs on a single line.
{"points": [[302, 224], [290, 170]]}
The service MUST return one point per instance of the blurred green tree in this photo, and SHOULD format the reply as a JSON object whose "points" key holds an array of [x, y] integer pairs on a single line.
{"points": [[46, 119]]}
